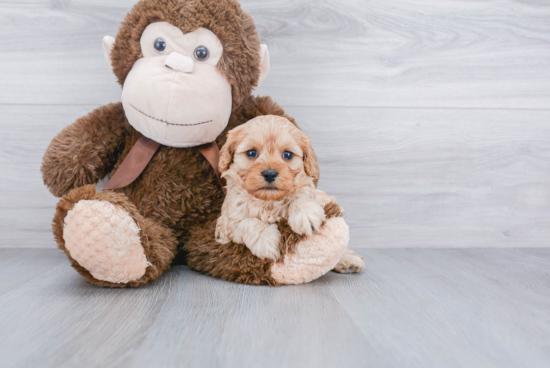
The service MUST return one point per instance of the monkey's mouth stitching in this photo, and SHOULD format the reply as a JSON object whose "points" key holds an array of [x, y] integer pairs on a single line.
{"points": [[162, 121]]}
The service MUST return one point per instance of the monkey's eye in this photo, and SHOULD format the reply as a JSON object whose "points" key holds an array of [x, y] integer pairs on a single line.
{"points": [[287, 155], [201, 53], [160, 45], [251, 153]]}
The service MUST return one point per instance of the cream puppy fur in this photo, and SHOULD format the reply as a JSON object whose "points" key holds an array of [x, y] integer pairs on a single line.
{"points": [[269, 167]]}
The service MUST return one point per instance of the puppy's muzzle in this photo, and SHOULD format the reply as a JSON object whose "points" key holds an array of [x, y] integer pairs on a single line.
{"points": [[270, 175]]}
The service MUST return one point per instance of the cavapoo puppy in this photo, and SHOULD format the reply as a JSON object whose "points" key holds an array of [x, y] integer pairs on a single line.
{"points": [[269, 167]]}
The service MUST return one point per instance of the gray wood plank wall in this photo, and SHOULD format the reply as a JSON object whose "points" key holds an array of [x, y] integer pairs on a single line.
{"points": [[431, 119]]}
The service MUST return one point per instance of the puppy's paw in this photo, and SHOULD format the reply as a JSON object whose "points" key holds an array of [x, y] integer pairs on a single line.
{"points": [[306, 217], [221, 237], [221, 234], [267, 246], [350, 263]]}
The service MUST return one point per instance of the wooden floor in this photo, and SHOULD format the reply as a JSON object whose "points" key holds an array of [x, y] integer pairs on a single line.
{"points": [[411, 308]]}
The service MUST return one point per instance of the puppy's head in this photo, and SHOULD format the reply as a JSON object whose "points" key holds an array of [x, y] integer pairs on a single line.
{"points": [[270, 156]]}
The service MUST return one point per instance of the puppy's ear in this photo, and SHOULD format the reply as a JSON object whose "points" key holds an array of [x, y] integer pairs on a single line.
{"points": [[226, 153], [311, 166]]}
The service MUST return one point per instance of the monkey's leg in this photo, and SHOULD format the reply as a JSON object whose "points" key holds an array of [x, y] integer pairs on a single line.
{"points": [[305, 258], [108, 241], [231, 261]]}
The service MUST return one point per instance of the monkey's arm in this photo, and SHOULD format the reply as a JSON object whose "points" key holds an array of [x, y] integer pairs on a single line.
{"points": [[86, 151]]}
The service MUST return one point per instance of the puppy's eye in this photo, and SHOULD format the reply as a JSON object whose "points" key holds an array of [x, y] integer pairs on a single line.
{"points": [[287, 155], [251, 153], [160, 45], [201, 53]]}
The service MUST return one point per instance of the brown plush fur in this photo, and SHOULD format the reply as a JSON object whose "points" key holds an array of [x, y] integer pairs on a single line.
{"points": [[85, 151], [231, 262], [234, 262], [177, 198]]}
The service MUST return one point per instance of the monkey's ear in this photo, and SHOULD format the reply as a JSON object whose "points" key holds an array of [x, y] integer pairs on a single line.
{"points": [[108, 43], [264, 63]]}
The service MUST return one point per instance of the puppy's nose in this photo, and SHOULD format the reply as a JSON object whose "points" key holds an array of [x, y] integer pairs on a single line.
{"points": [[270, 175]]}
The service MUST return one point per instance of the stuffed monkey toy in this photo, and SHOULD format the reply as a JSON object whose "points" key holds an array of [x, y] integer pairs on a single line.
{"points": [[187, 70]]}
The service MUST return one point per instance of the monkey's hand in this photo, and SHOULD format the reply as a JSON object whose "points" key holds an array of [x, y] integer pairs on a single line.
{"points": [[305, 216], [84, 152]]}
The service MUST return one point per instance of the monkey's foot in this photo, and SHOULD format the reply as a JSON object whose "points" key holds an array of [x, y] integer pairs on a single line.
{"points": [[104, 239], [350, 263], [108, 241], [315, 255]]}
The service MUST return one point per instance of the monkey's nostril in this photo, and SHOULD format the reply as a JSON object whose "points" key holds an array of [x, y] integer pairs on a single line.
{"points": [[270, 175]]}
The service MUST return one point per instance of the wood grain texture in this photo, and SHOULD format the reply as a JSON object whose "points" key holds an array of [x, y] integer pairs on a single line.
{"points": [[246, 326], [491, 54], [436, 177], [452, 308], [57, 320], [406, 177], [415, 308], [18, 266]]}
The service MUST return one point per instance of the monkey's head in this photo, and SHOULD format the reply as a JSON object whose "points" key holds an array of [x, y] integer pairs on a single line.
{"points": [[184, 65]]}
